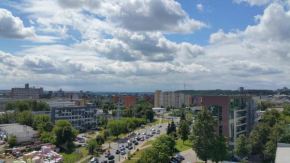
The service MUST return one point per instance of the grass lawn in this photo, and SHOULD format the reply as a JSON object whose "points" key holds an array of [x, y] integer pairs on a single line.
{"points": [[148, 143], [182, 147], [165, 120], [136, 156], [73, 156]]}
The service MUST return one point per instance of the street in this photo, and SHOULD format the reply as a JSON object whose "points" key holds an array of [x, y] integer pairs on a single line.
{"points": [[123, 141]]}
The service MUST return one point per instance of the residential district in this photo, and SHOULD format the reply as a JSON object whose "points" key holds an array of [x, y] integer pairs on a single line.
{"points": [[147, 127]]}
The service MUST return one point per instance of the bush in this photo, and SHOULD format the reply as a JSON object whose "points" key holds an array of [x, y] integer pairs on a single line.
{"points": [[137, 149], [12, 141]]}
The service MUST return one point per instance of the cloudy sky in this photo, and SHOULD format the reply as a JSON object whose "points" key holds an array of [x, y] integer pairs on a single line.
{"points": [[143, 45]]}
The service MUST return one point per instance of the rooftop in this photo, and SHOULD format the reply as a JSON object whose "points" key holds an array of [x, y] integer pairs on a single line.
{"points": [[282, 153], [15, 128]]}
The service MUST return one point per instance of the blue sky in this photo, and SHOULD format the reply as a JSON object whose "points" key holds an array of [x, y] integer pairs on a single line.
{"points": [[144, 45]]}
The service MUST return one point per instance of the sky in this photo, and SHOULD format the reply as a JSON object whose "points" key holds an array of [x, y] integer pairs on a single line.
{"points": [[144, 45]]}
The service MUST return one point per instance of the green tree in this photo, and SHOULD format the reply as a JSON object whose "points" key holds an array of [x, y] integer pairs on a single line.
{"points": [[241, 148], [46, 137], [10, 106], [285, 137], [189, 118], [39, 119], [168, 131], [42, 106], [64, 132], [115, 127], [149, 156], [204, 134], [173, 126], [258, 138], [220, 150], [271, 117], [23, 106], [91, 146], [26, 118], [183, 130], [182, 116], [164, 143], [100, 141], [12, 141]]}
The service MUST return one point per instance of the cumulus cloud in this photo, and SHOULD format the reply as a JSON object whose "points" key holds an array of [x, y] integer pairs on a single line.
{"points": [[199, 7], [254, 2], [221, 37], [12, 27]]}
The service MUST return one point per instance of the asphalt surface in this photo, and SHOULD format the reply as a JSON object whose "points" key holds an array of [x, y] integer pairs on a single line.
{"points": [[123, 141]]}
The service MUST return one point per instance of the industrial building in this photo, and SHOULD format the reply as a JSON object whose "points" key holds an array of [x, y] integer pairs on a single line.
{"points": [[235, 114], [26, 93]]}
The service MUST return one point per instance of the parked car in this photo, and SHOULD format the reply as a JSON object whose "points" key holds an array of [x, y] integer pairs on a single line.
{"points": [[111, 161], [136, 143], [117, 151], [158, 131], [175, 160], [122, 148], [142, 139], [111, 157], [94, 160], [130, 147], [123, 152], [180, 157], [153, 132], [160, 126], [104, 161], [144, 133]]}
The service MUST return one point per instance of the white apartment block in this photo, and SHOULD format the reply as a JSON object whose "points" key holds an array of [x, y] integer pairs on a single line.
{"points": [[82, 118]]}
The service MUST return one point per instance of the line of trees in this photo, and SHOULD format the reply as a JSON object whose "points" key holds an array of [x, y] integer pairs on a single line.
{"points": [[124, 126]]}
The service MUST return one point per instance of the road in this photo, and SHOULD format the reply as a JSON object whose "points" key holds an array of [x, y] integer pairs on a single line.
{"points": [[190, 156], [123, 141]]}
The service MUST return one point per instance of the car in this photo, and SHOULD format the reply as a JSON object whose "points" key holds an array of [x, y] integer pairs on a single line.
{"points": [[136, 143], [153, 129], [175, 159], [122, 148], [160, 126], [130, 147], [111, 161], [111, 157], [104, 161], [144, 133], [180, 157], [158, 131], [123, 152], [138, 133], [117, 151], [127, 146], [142, 139], [153, 132], [147, 137], [138, 139], [94, 160]]}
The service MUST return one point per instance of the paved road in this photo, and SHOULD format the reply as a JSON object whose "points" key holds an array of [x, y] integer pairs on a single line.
{"points": [[190, 157], [123, 141]]}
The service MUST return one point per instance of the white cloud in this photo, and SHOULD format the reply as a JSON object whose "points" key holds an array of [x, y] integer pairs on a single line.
{"points": [[199, 7], [255, 2], [12, 27], [221, 37]]}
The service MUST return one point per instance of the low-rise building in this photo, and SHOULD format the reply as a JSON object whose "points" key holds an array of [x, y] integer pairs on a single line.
{"points": [[23, 133], [26, 93], [282, 153]]}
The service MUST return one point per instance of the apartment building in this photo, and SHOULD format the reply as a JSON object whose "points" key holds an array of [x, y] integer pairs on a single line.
{"points": [[125, 100], [171, 99], [26, 93], [235, 114], [60, 104], [81, 117]]}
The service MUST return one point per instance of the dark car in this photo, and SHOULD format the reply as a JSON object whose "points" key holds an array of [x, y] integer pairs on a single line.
{"points": [[130, 147], [111, 157], [111, 161], [136, 143], [180, 157], [175, 160], [104, 161], [117, 151]]}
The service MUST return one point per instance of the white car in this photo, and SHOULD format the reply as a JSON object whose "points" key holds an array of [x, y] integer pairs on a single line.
{"points": [[144, 133], [123, 152]]}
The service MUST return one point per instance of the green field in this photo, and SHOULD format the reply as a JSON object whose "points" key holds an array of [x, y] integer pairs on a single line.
{"points": [[148, 143], [180, 146]]}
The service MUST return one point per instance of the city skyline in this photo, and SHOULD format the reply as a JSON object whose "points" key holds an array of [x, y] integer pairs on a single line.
{"points": [[143, 46]]}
